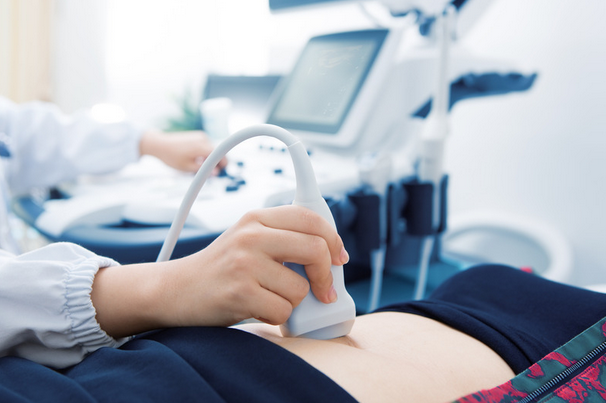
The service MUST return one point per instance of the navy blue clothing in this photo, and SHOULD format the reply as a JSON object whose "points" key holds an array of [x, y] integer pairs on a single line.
{"points": [[521, 316], [175, 365]]}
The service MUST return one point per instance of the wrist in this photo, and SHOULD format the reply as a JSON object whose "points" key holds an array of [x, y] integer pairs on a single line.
{"points": [[191, 298], [129, 299], [151, 143]]}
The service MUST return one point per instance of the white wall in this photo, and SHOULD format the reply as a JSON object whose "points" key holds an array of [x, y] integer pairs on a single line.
{"points": [[542, 153], [539, 154], [142, 54], [79, 71], [158, 48]]}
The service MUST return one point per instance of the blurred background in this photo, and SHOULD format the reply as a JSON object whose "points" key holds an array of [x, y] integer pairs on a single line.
{"points": [[539, 154]]}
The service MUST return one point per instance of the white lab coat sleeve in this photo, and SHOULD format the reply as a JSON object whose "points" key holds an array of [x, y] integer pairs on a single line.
{"points": [[48, 147], [46, 313]]}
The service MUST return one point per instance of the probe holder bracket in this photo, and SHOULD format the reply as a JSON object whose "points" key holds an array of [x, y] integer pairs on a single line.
{"points": [[418, 210]]}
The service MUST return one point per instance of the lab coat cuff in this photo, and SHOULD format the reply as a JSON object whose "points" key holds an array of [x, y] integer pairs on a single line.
{"points": [[79, 308], [130, 146]]}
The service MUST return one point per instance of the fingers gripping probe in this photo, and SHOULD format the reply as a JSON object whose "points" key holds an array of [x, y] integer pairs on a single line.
{"points": [[311, 318]]}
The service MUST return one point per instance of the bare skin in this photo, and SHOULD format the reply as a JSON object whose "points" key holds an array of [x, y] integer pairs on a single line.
{"points": [[184, 151], [396, 357]]}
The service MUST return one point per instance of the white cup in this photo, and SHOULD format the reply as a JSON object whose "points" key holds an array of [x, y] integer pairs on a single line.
{"points": [[215, 117]]}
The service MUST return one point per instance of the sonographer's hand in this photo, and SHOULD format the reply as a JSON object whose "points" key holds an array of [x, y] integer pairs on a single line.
{"points": [[239, 276], [184, 151], [243, 268]]}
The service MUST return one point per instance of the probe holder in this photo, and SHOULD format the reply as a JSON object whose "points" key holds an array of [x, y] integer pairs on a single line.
{"points": [[418, 209]]}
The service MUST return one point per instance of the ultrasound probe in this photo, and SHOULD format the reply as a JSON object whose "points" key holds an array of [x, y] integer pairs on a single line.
{"points": [[311, 318]]}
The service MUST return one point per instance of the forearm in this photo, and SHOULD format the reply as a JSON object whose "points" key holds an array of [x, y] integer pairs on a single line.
{"points": [[136, 298], [184, 151], [131, 299], [151, 143]]}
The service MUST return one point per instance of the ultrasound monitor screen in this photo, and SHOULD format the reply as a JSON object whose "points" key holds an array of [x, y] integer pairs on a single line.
{"points": [[324, 84]]}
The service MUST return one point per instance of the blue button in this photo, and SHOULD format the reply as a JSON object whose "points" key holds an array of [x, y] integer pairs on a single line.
{"points": [[5, 151]]}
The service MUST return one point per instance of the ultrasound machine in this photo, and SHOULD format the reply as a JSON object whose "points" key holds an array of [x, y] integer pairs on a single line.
{"points": [[359, 102]]}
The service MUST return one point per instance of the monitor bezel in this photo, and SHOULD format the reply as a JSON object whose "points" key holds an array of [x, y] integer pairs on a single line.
{"points": [[345, 131]]}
